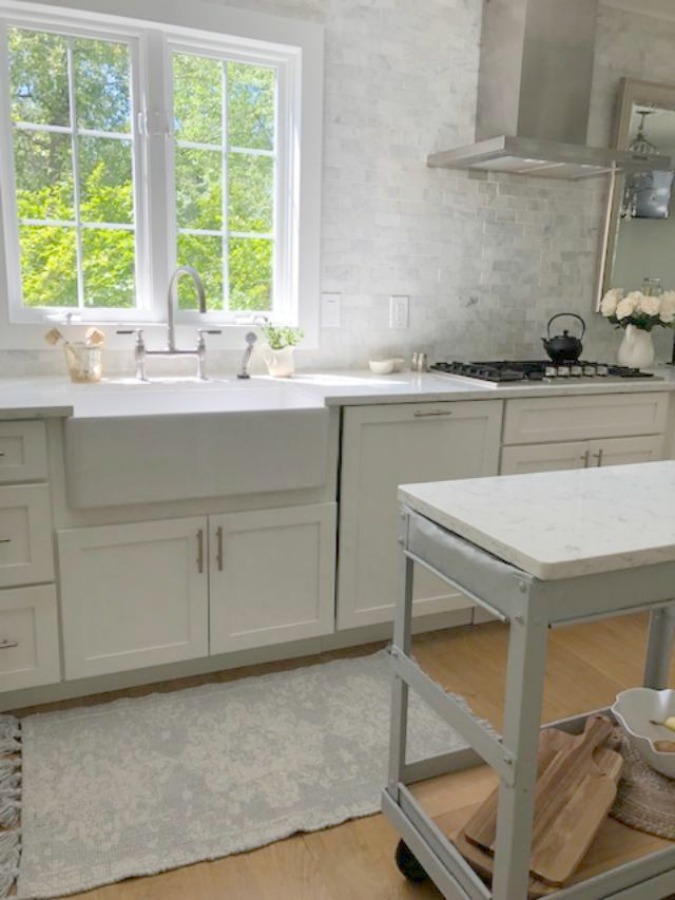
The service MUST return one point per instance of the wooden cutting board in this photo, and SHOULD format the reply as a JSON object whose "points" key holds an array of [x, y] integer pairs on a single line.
{"points": [[481, 829], [574, 794]]}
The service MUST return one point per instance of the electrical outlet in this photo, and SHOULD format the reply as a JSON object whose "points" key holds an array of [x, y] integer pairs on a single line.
{"points": [[331, 308], [398, 311]]}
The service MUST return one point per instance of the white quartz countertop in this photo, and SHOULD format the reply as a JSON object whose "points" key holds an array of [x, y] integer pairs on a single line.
{"points": [[363, 388], [560, 524], [41, 397]]}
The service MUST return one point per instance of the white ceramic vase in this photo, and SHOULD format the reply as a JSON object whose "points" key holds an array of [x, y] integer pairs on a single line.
{"points": [[636, 349], [280, 363]]}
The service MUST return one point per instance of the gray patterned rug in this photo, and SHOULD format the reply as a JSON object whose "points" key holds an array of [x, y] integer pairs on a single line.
{"points": [[139, 786]]}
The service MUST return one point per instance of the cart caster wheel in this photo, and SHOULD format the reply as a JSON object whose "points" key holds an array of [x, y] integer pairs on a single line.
{"points": [[408, 864]]}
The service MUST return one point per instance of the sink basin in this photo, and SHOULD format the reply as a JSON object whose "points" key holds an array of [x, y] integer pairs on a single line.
{"points": [[147, 443], [188, 398]]}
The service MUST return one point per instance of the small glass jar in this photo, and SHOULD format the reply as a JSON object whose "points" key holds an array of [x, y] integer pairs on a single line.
{"points": [[651, 287], [84, 362]]}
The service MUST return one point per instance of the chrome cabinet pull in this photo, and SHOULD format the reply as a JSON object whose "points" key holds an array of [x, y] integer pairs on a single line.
{"points": [[5, 540], [200, 551], [6, 644], [420, 414], [598, 456], [586, 457], [219, 551], [2, 453]]}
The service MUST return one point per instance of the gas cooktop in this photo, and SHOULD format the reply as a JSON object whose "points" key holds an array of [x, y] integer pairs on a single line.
{"points": [[510, 371]]}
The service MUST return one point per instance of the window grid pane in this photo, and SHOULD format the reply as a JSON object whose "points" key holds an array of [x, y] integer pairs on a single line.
{"points": [[93, 184], [247, 234]]}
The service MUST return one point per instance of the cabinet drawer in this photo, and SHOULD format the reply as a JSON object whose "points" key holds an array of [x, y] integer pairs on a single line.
{"points": [[23, 452], [535, 420], [526, 458], [26, 554], [29, 644]]}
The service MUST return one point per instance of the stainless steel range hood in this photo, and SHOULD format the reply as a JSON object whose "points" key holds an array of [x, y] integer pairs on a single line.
{"points": [[534, 92]]}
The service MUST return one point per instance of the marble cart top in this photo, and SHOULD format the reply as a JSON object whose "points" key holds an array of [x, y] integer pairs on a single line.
{"points": [[560, 524]]}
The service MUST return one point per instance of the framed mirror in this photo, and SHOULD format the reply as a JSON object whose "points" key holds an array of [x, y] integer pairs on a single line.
{"points": [[638, 241]]}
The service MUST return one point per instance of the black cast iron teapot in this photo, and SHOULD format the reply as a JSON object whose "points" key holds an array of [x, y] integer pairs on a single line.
{"points": [[564, 347]]}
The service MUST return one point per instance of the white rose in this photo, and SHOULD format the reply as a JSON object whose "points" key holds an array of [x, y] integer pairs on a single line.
{"points": [[649, 305], [628, 305], [610, 302], [667, 311]]}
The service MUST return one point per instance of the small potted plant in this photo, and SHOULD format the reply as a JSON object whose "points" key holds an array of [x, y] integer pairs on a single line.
{"points": [[278, 351]]}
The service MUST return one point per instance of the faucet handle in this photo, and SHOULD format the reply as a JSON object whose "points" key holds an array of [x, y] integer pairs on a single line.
{"points": [[137, 331], [201, 343]]}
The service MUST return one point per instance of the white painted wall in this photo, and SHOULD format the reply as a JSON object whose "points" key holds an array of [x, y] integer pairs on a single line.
{"points": [[485, 259]]}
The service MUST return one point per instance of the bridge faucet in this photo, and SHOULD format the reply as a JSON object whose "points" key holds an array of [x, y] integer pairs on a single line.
{"points": [[172, 300], [199, 353]]}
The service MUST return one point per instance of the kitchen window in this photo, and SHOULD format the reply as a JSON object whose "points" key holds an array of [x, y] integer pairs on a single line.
{"points": [[127, 150]]}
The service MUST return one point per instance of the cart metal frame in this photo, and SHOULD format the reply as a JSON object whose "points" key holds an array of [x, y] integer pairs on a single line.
{"points": [[530, 606]]}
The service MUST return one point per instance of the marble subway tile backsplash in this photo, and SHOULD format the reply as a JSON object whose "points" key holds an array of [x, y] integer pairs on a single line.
{"points": [[485, 259]]}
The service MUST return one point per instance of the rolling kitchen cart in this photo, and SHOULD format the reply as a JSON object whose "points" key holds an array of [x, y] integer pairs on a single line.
{"points": [[536, 551]]}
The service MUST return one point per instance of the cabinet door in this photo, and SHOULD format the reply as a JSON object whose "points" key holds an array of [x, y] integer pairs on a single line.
{"points": [[272, 576], [383, 447], [520, 460], [26, 551], [133, 595], [29, 637], [622, 451]]}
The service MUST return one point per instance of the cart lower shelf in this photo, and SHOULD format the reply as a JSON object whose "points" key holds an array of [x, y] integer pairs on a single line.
{"points": [[450, 800]]}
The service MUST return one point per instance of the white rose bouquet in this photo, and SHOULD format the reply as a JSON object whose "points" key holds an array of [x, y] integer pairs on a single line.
{"points": [[644, 311]]}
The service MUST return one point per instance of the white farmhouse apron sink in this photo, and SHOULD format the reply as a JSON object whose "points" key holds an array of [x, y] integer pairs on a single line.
{"points": [[132, 445]]}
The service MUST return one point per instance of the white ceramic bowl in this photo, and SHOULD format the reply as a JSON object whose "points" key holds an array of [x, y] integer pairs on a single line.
{"points": [[381, 366], [634, 709]]}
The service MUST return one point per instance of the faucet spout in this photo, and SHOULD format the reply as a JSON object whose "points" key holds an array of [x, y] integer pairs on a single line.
{"points": [[172, 300]]}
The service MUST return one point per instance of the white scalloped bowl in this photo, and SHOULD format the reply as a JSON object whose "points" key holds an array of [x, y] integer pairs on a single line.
{"points": [[634, 709]]}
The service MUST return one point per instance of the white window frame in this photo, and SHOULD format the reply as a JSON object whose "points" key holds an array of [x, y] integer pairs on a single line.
{"points": [[296, 49]]}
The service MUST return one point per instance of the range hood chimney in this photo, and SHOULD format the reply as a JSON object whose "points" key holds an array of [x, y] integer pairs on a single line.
{"points": [[534, 92]]}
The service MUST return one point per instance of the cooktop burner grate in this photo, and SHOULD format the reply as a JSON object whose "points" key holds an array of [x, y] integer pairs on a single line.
{"points": [[506, 371]]}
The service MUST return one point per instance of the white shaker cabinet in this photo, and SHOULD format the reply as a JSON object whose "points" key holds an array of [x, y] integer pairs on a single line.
{"points": [[29, 636], [23, 452], [382, 447], [603, 430], [272, 576], [148, 593], [26, 550], [524, 458], [133, 595], [29, 647]]}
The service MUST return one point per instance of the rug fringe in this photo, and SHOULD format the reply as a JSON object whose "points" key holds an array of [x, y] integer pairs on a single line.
{"points": [[10, 802]]}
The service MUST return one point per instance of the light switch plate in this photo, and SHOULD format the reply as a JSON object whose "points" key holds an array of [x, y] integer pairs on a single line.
{"points": [[331, 309], [398, 311]]}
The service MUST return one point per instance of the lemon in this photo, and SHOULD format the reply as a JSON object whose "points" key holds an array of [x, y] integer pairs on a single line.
{"points": [[670, 723]]}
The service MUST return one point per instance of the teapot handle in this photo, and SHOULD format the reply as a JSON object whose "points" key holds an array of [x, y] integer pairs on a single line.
{"points": [[573, 316]]}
